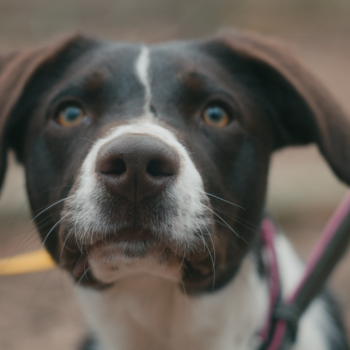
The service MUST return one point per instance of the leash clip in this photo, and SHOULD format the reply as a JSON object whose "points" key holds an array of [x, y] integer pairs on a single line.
{"points": [[291, 315]]}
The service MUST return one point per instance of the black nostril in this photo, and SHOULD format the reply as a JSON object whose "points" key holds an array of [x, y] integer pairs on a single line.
{"points": [[111, 165], [158, 167], [118, 166]]}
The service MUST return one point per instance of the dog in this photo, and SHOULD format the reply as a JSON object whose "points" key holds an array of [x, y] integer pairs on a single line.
{"points": [[146, 171]]}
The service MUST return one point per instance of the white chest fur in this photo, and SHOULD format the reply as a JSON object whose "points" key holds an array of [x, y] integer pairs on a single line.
{"points": [[146, 312]]}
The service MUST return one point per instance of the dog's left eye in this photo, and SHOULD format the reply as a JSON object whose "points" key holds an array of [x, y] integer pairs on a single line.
{"points": [[216, 116], [70, 116]]}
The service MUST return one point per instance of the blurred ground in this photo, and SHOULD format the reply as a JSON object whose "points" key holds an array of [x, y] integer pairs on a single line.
{"points": [[39, 311]]}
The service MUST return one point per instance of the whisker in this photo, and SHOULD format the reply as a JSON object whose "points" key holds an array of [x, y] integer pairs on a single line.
{"points": [[30, 240], [206, 246], [53, 228], [61, 200], [25, 232], [212, 258], [84, 138], [182, 262], [76, 238], [224, 200], [64, 243], [186, 297], [36, 227], [23, 244], [250, 226], [33, 195], [224, 222], [83, 275]]}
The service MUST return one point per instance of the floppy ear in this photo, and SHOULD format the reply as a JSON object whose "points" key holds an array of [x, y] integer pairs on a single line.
{"points": [[301, 108], [21, 73]]}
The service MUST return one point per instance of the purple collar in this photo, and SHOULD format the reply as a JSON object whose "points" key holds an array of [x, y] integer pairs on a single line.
{"points": [[283, 314], [268, 233]]}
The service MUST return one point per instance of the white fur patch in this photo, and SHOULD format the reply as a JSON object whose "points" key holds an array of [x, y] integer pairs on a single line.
{"points": [[142, 67], [147, 312]]}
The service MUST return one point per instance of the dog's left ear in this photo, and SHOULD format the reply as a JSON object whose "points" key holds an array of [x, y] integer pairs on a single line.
{"points": [[23, 76], [302, 111]]}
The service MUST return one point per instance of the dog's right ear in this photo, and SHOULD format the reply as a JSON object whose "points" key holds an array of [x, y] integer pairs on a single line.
{"points": [[300, 109], [19, 72]]}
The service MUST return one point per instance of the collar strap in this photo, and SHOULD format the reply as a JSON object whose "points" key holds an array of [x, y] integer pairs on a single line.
{"points": [[268, 233], [280, 328]]}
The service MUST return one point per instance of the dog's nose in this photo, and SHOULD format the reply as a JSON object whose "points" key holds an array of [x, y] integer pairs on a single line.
{"points": [[137, 166]]}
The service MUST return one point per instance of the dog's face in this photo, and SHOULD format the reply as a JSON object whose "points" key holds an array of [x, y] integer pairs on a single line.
{"points": [[155, 159]]}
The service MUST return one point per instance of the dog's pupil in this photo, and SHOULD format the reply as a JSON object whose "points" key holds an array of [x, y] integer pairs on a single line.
{"points": [[215, 113], [72, 113]]}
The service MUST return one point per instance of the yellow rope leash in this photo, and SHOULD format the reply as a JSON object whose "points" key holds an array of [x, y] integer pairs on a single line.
{"points": [[36, 261]]}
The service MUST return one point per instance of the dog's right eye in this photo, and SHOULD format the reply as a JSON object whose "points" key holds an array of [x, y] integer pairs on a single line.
{"points": [[70, 116], [216, 116]]}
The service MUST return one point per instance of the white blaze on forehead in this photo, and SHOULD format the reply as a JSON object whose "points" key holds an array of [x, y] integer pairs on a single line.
{"points": [[142, 67]]}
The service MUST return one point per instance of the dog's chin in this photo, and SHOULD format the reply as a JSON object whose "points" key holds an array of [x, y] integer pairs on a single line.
{"points": [[114, 257], [128, 244]]}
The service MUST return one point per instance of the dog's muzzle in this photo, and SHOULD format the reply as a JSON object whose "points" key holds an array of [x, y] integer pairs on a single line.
{"points": [[138, 196]]}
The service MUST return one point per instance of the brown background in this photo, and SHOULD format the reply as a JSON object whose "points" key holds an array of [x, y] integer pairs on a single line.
{"points": [[39, 311]]}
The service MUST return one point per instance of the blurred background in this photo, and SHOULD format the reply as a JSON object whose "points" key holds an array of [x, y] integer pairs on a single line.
{"points": [[39, 311]]}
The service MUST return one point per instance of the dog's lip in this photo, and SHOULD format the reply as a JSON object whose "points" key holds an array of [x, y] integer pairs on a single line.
{"points": [[115, 244], [202, 267], [110, 245], [97, 248], [129, 235]]}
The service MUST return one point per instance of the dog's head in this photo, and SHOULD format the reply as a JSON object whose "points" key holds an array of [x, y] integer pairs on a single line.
{"points": [[155, 159]]}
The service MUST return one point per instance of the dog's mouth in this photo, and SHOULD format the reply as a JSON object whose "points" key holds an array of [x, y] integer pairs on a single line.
{"points": [[101, 262], [127, 244]]}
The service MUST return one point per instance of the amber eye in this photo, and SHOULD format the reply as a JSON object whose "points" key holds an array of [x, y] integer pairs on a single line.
{"points": [[70, 116], [216, 116]]}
